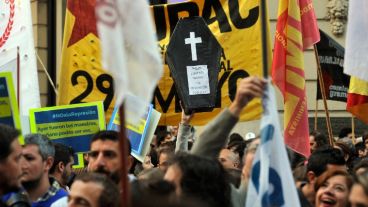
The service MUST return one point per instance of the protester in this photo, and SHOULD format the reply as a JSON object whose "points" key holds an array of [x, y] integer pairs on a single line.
{"points": [[145, 191], [300, 174], [200, 178], [104, 155], [237, 145], [61, 169], [320, 161], [249, 154], [10, 171], [147, 164], [93, 190], [346, 132], [360, 167], [360, 150], [10, 156], [214, 136], [44, 191], [229, 159], [173, 130], [165, 154], [332, 189], [348, 153], [317, 140], [359, 192], [152, 174]]}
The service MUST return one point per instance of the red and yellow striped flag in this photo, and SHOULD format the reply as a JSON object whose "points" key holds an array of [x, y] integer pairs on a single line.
{"points": [[296, 30], [358, 99]]}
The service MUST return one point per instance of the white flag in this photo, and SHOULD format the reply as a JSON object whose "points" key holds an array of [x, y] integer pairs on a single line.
{"points": [[16, 32], [356, 61], [271, 182], [129, 47]]}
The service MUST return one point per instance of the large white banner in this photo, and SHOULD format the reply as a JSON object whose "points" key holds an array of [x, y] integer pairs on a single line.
{"points": [[16, 34], [356, 61]]}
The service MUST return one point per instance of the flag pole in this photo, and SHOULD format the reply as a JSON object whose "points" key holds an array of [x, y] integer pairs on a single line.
{"points": [[315, 116], [322, 84], [353, 128], [18, 76], [47, 73], [264, 38], [124, 193]]}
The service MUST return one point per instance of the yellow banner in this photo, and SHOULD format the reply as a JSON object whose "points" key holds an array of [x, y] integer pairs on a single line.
{"points": [[82, 78], [236, 26]]}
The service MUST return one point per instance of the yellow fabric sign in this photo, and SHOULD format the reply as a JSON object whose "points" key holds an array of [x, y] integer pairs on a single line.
{"points": [[236, 26], [82, 78]]}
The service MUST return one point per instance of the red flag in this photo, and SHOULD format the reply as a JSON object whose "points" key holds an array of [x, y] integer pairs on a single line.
{"points": [[296, 30], [358, 99]]}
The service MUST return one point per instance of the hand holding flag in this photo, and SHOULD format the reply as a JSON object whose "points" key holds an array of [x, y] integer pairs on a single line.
{"points": [[271, 181], [296, 30]]}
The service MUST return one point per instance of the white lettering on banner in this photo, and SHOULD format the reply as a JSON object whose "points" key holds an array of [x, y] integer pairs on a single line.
{"points": [[338, 91], [192, 40], [331, 60], [198, 81]]}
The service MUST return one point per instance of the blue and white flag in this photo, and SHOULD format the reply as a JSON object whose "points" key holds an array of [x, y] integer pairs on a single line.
{"points": [[271, 182]]}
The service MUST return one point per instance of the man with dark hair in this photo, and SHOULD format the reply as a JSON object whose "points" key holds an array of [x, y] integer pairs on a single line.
{"points": [[319, 162], [164, 157], [346, 133], [317, 140], [61, 169], [10, 157], [104, 155], [360, 150], [199, 178], [93, 190], [43, 190]]}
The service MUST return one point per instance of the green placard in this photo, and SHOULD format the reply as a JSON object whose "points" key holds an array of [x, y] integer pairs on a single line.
{"points": [[9, 112], [71, 125]]}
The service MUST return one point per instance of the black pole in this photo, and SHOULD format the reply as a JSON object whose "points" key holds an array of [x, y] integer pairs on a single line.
{"points": [[264, 32], [124, 183], [51, 50]]}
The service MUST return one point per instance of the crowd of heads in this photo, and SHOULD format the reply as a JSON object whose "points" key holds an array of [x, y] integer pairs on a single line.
{"points": [[335, 176], [181, 168]]}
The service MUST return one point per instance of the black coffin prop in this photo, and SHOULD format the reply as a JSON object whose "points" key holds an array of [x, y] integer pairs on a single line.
{"points": [[193, 56]]}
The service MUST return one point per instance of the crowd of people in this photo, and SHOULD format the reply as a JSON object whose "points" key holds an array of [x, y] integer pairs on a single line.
{"points": [[182, 168]]}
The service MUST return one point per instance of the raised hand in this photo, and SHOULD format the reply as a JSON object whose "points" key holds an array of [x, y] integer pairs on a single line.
{"points": [[248, 89]]}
